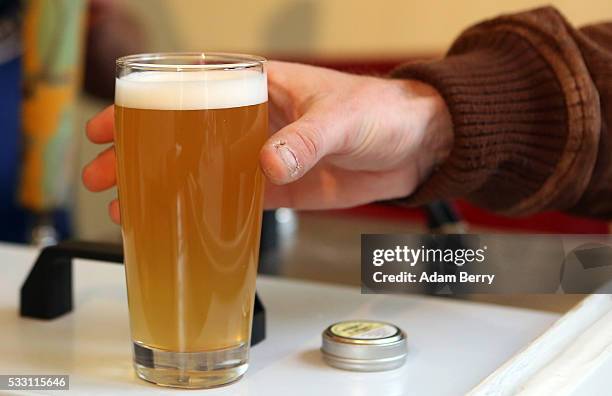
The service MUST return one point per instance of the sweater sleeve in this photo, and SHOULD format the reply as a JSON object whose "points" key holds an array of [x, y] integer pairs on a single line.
{"points": [[523, 92]]}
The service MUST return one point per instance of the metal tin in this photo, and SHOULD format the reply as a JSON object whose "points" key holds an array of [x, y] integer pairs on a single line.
{"points": [[364, 345]]}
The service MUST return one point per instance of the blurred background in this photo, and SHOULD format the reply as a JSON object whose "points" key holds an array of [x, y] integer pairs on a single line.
{"points": [[47, 99]]}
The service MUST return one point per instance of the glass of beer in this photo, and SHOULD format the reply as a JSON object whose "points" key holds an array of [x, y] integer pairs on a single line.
{"points": [[188, 131]]}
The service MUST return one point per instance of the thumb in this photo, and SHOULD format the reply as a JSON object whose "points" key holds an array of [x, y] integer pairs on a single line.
{"points": [[296, 148]]}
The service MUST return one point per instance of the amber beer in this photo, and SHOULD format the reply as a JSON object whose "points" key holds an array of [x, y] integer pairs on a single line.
{"points": [[190, 192]]}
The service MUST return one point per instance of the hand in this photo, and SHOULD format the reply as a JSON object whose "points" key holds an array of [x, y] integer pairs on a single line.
{"points": [[340, 140]]}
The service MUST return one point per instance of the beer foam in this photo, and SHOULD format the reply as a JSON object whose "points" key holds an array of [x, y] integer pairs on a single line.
{"points": [[191, 90]]}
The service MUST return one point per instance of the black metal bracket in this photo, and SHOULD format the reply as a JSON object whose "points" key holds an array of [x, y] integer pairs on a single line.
{"points": [[47, 291]]}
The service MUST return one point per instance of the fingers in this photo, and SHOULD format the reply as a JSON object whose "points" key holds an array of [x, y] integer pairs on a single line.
{"points": [[101, 127], [113, 211], [295, 149], [100, 174], [329, 187]]}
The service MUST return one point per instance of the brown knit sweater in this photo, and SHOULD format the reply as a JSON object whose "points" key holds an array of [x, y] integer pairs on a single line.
{"points": [[531, 103]]}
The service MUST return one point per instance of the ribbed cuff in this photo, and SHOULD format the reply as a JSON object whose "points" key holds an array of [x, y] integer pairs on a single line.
{"points": [[523, 141]]}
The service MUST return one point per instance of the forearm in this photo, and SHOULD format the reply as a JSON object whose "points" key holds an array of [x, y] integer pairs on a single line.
{"points": [[526, 116], [595, 42]]}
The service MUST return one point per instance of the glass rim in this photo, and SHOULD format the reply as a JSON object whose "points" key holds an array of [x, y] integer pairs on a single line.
{"points": [[227, 61]]}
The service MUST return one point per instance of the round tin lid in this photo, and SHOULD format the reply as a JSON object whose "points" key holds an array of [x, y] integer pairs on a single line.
{"points": [[364, 345]]}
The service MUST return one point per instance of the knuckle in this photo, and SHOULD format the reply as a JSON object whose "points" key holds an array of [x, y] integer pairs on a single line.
{"points": [[85, 174], [310, 139], [88, 178], [89, 129]]}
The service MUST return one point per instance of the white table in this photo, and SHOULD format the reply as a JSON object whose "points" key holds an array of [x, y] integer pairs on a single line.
{"points": [[453, 344]]}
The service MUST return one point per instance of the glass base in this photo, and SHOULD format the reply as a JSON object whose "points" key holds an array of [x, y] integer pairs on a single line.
{"points": [[190, 369]]}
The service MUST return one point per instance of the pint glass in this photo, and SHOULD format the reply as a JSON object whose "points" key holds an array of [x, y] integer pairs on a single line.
{"points": [[188, 131]]}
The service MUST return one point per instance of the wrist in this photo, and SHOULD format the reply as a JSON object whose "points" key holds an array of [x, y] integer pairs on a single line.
{"points": [[430, 121], [439, 130]]}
